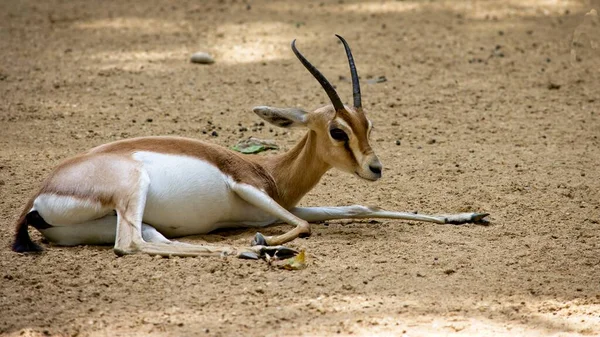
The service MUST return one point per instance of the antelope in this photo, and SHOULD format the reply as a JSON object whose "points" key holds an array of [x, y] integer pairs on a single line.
{"points": [[139, 193]]}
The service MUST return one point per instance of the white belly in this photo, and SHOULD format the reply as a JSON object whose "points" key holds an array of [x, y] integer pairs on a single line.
{"points": [[190, 196]]}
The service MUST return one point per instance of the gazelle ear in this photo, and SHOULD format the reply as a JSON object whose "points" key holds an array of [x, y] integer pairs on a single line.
{"points": [[285, 118]]}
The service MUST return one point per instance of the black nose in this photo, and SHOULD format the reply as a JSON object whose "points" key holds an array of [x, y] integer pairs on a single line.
{"points": [[375, 169]]}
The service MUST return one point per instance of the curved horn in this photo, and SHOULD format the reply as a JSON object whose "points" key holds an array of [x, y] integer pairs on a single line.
{"points": [[355, 83], [333, 96]]}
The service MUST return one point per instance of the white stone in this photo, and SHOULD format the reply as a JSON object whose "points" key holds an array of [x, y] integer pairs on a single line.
{"points": [[202, 57]]}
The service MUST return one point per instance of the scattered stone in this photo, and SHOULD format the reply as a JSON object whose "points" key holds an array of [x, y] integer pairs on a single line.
{"points": [[202, 58], [214, 134], [398, 142], [379, 79], [553, 86], [449, 271]]}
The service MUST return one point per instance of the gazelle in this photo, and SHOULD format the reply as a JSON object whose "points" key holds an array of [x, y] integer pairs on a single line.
{"points": [[137, 193]]}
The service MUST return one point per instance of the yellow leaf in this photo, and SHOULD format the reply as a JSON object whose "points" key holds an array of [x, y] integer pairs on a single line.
{"points": [[295, 263]]}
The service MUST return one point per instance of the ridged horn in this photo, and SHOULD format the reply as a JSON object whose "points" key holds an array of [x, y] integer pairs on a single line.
{"points": [[333, 96], [355, 83]]}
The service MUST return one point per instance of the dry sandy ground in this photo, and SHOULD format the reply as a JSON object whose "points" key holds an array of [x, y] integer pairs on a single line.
{"points": [[495, 106]]}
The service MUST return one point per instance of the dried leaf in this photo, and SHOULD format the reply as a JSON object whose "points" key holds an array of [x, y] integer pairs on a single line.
{"points": [[295, 263]]}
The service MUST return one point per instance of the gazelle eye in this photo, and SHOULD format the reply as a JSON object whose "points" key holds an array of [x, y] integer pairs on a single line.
{"points": [[338, 134]]}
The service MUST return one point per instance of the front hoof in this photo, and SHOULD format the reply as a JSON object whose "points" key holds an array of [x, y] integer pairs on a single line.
{"points": [[259, 240], [464, 218], [479, 218], [285, 252]]}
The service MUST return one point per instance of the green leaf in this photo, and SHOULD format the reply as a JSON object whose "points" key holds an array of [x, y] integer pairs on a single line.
{"points": [[256, 148]]}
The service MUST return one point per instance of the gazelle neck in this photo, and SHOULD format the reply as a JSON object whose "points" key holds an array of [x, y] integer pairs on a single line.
{"points": [[296, 171]]}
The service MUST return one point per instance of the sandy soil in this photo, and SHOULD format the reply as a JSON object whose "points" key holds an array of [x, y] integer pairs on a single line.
{"points": [[496, 110]]}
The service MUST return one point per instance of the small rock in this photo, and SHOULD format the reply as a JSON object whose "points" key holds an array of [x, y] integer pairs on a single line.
{"points": [[214, 134], [379, 79], [431, 141], [398, 142], [553, 86], [202, 58]]}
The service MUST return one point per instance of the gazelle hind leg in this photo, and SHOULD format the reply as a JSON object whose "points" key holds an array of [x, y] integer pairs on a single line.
{"points": [[129, 235], [130, 232]]}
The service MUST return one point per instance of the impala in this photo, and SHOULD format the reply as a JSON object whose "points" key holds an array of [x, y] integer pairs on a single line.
{"points": [[138, 193]]}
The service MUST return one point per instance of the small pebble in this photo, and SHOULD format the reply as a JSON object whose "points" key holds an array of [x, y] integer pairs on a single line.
{"points": [[202, 58], [553, 86], [398, 142]]}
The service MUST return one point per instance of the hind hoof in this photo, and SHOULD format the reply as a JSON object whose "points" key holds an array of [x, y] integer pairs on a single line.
{"points": [[259, 240]]}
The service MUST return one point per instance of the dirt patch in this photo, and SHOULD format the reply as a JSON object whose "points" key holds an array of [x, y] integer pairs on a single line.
{"points": [[486, 107]]}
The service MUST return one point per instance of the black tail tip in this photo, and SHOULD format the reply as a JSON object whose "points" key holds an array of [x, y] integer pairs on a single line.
{"points": [[23, 243], [26, 247]]}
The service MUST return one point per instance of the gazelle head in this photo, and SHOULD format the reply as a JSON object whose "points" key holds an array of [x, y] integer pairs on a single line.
{"points": [[342, 132]]}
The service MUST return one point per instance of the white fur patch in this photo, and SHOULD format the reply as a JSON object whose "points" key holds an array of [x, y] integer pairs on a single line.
{"points": [[58, 210]]}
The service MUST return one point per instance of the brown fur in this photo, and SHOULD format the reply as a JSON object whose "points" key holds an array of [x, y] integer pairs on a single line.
{"points": [[297, 171]]}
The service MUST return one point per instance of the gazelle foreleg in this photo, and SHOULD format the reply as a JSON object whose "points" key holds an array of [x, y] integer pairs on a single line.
{"points": [[316, 214], [262, 200]]}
